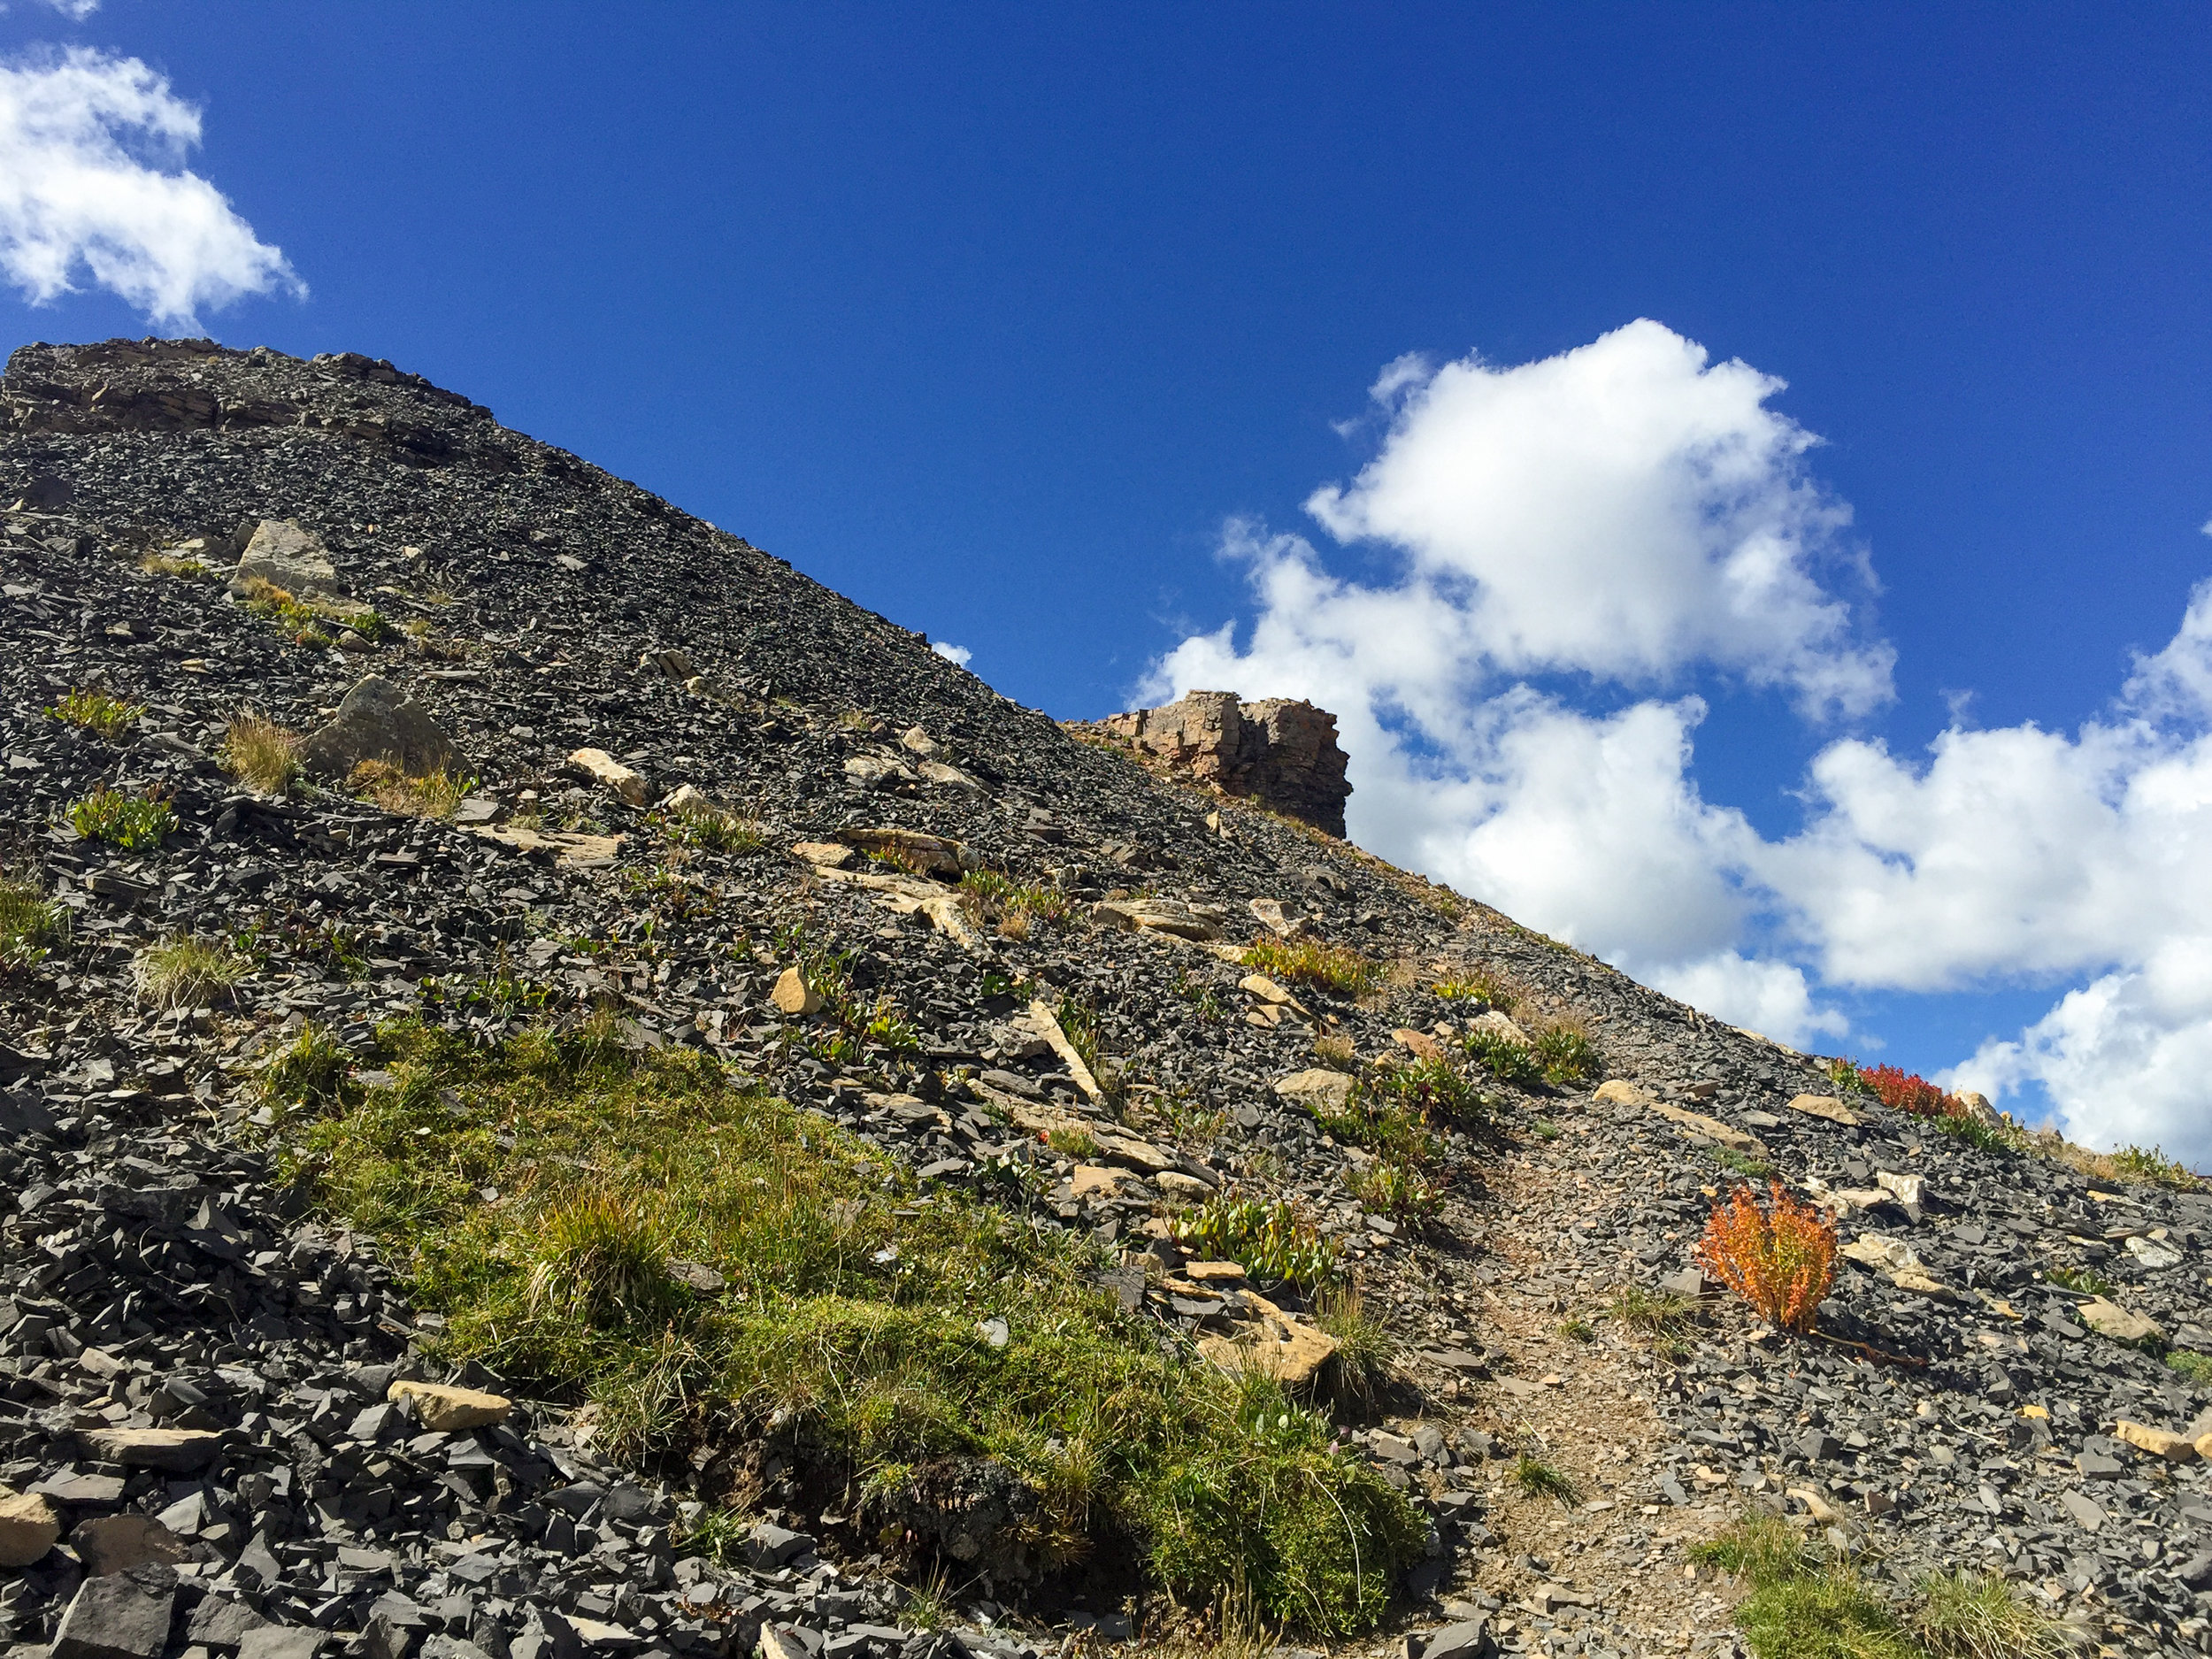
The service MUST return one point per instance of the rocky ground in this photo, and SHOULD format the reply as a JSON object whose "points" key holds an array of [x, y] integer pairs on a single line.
{"points": [[216, 1406]]}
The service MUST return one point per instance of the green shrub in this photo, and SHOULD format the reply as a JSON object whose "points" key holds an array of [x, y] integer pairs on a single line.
{"points": [[29, 922], [850, 1313], [1564, 1054], [1480, 985], [130, 822], [1989, 1138], [1396, 1189], [2196, 1367], [98, 712], [1338, 969], [1271, 1240], [1964, 1615], [1509, 1061], [1539, 1480]]}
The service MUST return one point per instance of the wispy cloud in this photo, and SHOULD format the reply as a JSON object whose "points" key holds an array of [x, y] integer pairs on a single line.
{"points": [[92, 185]]}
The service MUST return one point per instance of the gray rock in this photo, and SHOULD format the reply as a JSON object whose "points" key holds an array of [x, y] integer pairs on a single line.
{"points": [[281, 553], [1468, 1640], [117, 1616], [281, 1641], [377, 721]]}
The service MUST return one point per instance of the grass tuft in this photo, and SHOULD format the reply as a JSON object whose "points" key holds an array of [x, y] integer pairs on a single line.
{"points": [[1396, 1188], [29, 922], [186, 972], [2196, 1367], [1964, 1615], [1337, 969], [177, 564], [134, 823], [98, 712], [1361, 1368], [599, 1258], [1536, 1479], [261, 754], [436, 794], [850, 1316], [1804, 1603], [1493, 990], [1511, 1062], [702, 824], [307, 1070], [1566, 1053]]}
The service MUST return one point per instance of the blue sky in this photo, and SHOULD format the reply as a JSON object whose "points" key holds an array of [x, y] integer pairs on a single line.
{"points": [[995, 320]]}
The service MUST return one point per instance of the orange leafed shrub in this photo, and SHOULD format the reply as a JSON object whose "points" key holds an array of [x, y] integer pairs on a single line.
{"points": [[1781, 1258], [1908, 1092]]}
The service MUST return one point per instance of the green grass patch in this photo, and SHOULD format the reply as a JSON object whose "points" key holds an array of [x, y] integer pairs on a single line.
{"points": [[2196, 1367], [1480, 986], [1337, 969], [1509, 1061], [1742, 1163], [98, 712], [1396, 1189], [997, 897], [131, 822], [30, 922], [1565, 1055], [1536, 1479], [1805, 1602], [2151, 1165], [1974, 1132], [186, 972], [850, 1307], [2079, 1279], [1271, 1240]]}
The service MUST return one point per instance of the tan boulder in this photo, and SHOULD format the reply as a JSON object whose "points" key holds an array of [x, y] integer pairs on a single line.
{"points": [[823, 855], [794, 996], [447, 1411], [1318, 1089], [624, 782], [1824, 1106], [1419, 1044], [2175, 1449], [1700, 1127], [2110, 1318], [178, 1451], [28, 1527], [283, 554], [1619, 1091], [1276, 1344], [1271, 916]]}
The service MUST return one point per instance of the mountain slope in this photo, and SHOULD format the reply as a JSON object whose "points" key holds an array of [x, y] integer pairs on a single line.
{"points": [[504, 1059]]}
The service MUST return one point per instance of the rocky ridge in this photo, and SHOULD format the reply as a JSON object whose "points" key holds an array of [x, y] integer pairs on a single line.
{"points": [[207, 1417]]}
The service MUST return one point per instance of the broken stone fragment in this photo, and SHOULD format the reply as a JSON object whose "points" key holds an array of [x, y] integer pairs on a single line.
{"points": [[115, 1543], [794, 996], [122, 1615], [2108, 1318], [1170, 917], [1697, 1126], [1271, 916], [282, 554], [625, 783], [823, 854], [1318, 1089], [1826, 1106], [178, 1451], [2162, 1443], [377, 721], [445, 1410], [29, 1527]]}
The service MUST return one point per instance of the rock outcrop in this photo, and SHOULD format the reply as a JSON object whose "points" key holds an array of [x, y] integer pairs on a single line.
{"points": [[1281, 752]]}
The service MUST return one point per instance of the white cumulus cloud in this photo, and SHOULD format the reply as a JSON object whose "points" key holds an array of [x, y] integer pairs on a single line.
{"points": [[92, 182], [1623, 518], [955, 654]]}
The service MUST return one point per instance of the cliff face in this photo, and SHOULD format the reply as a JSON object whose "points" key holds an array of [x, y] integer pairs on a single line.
{"points": [[1280, 752]]}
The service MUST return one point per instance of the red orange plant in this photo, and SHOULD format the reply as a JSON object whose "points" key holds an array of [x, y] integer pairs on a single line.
{"points": [[1781, 1258], [1908, 1092]]}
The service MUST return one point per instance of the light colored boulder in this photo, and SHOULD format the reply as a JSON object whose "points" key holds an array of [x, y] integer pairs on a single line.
{"points": [[794, 996], [1826, 1106], [2163, 1443], [1274, 918], [1419, 1044], [921, 854], [1170, 917], [178, 1451], [823, 855], [1275, 1344], [624, 782], [1700, 1127], [28, 1527], [284, 555], [2110, 1318], [1501, 1022], [1260, 986], [447, 1411], [1318, 1089], [1617, 1091], [377, 721]]}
